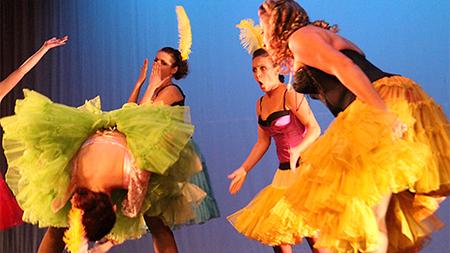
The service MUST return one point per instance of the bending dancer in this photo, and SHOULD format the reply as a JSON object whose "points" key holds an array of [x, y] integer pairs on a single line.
{"points": [[285, 116], [93, 158], [10, 212], [388, 137]]}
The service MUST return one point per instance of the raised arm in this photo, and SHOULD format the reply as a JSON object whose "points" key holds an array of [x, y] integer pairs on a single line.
{"points": [[140, 81], [259, 149], [300, 107], [11, 81], [310, 47]]}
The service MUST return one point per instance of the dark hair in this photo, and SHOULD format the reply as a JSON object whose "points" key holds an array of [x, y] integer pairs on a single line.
{"points": [[178, 62], [261, 52], [98, 213], [286, 17]]}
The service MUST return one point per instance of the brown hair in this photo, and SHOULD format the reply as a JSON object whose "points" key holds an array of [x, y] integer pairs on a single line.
{"points": [[98, 213], [178, 62], [285, 17]]}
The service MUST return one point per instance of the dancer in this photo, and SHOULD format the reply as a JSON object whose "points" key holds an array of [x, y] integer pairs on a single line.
{"points": [[285, 116], [161, 89], [88, 159], [168, 65], [353, 169], [10, 212]]}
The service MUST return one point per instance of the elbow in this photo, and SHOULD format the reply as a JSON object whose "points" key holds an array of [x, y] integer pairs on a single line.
{"points": [[314, 131]]}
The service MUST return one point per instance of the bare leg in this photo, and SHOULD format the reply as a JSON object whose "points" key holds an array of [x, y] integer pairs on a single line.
{"points": [[380, 212], [311, 242], [163, 239], [282, 249], [52, 241]]}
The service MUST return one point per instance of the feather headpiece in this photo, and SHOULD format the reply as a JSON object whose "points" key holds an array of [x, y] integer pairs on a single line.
{"points": [[250, 35], [184, 33], [75, 236]]}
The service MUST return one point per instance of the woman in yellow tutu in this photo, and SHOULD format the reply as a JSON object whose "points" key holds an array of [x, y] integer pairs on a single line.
{"points": [[285, 116], [389, 139]]}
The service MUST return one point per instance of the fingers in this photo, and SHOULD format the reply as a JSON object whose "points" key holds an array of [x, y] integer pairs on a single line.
{"points": [[231, 176], [232, 187], [236, 185], [55, 42], [237, 180], [399, 128], [145, 63], [144, 67]]}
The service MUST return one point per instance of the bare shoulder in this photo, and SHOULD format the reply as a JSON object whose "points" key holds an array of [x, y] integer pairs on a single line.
{"points": [[171, 91], [292, 97], [307, 36]]}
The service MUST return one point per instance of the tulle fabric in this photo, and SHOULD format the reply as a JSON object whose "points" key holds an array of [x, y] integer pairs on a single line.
{"points": [[359, 160], [207, 209], [42, 137], [261, 221]]}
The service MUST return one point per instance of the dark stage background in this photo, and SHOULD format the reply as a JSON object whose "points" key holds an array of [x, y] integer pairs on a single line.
{"points": [[110, 39]]}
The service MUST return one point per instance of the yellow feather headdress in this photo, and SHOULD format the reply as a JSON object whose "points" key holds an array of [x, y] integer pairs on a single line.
{"points": [[184, 33], [75, 237], [250, 35]]}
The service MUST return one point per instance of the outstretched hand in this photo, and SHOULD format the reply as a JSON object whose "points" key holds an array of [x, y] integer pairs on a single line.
{"points": [[55, 42], [237, 180]]}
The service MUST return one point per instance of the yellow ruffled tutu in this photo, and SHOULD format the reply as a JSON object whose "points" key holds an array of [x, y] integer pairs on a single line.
{"points": [[255, 220], [410, 221], [410, 218], [358, 161], [427, 124]]}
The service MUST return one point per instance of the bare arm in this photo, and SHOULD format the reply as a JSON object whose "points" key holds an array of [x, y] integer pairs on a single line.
{"points": [[11, 81], [300, 107], [313, 49], [137, 86], [259, 149]]}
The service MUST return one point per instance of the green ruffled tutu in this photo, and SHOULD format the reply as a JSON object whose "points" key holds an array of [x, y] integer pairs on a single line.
{"points": [[208, 208], [42, 137]]}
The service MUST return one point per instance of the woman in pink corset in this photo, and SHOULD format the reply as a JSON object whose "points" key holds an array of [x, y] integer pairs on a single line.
{"points": [[285, 116]]}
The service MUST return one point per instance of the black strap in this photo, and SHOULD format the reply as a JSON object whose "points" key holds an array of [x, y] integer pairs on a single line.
{"points": [[178, 87], [284, 99], [260, 105], [287, 165]]}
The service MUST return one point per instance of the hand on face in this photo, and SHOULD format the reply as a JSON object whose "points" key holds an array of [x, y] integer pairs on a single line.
{"points": [[162, 69], [155, 76]]}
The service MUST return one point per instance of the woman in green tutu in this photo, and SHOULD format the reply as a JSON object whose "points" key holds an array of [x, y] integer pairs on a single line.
{"points": [[77, 149], [169, 64]]}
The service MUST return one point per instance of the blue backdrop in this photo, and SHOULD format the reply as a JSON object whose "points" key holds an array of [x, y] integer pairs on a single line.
{"points": [[110, 39]]}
